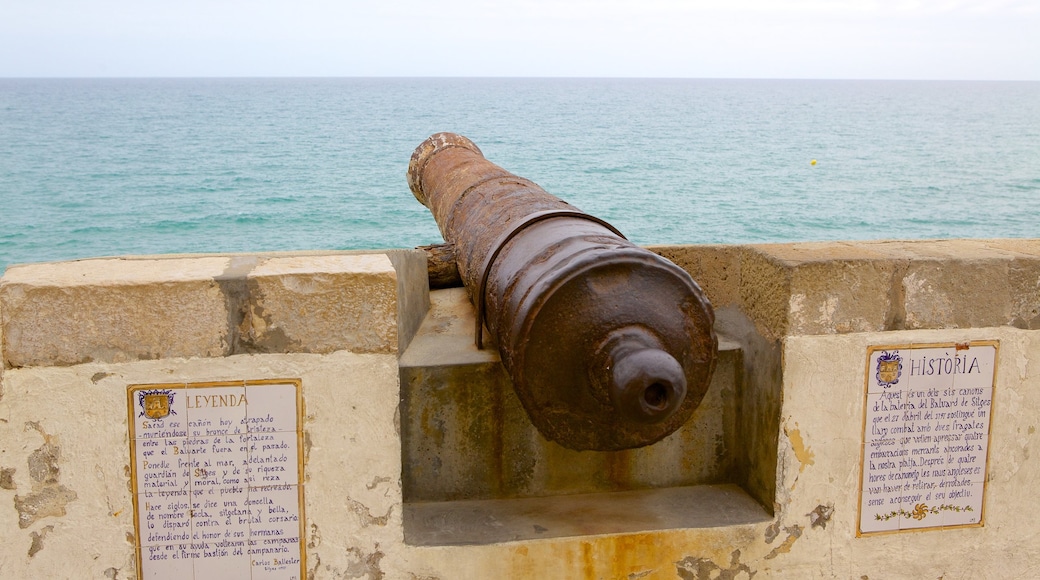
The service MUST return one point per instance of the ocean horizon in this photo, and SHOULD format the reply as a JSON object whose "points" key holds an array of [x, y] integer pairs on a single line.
{"points": [[101, 167]]}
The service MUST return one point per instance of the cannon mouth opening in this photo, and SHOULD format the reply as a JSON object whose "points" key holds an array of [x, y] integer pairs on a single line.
{"points": [[648, 385], [656, 397]]}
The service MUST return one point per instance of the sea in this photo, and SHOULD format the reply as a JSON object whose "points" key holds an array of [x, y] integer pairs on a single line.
{"points": [[102, 167]]}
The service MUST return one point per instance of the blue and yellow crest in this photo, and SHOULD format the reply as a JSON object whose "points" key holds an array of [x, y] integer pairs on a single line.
{"points": [[889, 368], [156, 404]]}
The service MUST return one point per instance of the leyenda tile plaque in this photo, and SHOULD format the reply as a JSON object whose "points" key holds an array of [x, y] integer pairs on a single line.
{"points": [[217, 479]]}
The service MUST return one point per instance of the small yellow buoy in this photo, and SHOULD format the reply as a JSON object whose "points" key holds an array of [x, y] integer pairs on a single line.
{"points": [[813, 162]]}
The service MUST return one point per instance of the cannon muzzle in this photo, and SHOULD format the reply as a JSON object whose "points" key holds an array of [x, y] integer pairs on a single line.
{"points": [[609, 346]]}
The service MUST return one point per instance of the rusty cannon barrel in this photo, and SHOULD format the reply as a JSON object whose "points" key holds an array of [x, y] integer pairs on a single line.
{"points": [[608, 345]]}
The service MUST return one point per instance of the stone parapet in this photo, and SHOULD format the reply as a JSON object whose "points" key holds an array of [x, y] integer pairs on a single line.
{"points": [[771, 479], [125, 309], [321, 304], [842, 287], [112, 310]]}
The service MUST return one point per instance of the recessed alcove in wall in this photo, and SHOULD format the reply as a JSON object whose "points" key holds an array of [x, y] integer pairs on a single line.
{"points": [[475, 470]]}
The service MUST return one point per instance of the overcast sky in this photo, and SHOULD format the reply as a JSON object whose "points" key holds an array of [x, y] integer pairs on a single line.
{"points": [[863, 39]]}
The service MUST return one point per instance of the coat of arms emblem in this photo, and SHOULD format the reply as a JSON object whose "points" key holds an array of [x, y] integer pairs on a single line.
{"points": [[156, 404], [889, 368]]}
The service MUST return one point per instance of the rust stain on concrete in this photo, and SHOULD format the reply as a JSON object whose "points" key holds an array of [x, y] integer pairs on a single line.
{"points": [[588, 561], [693, 568], [37, 540], [307, 445], [364, 565], [802, 452], [793, 533], [7, 478], [315, 537], [772, 532], [638, 556], [97, 377], [365, 515], [821, 515]]}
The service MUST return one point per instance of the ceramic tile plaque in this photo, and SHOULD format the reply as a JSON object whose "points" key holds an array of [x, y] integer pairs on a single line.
{"points": [[926, 436], [217, 482]]}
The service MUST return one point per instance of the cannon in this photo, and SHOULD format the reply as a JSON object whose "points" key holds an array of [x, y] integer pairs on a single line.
{"points": [[609, 346]]}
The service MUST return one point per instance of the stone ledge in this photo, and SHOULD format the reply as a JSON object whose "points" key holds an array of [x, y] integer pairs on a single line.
{"points": [[123, 309], [112, 310], [320, 304], [819, 288], [142, 308], [482, 522]]}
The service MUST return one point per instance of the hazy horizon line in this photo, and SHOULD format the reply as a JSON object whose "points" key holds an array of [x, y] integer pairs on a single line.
{"points": [[501, 77]]}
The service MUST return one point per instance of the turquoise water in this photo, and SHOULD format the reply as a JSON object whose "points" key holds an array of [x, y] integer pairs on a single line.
{"points": [[117, 166]]}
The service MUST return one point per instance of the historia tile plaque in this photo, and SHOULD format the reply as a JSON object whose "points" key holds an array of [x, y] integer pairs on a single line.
{"points": [[217, 479], [926, 436]]}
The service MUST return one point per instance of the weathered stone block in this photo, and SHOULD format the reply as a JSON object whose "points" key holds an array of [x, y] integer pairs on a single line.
{"points": [[1024, 281], [112, 310], [320, 304], [842, 287], [956, 294], [765, 290], [840, 296], [413, 293], [963, 283], [716, 269]]}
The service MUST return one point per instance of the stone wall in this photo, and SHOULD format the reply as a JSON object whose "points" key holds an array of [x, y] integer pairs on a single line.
{"points": [[803, 316]]}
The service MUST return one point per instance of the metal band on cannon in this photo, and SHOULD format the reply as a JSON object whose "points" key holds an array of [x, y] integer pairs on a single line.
{"points": [[501, 242], [609, 346]]}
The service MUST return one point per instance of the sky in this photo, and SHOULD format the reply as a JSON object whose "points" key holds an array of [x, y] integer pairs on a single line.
{"points": [[826, 39]]}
